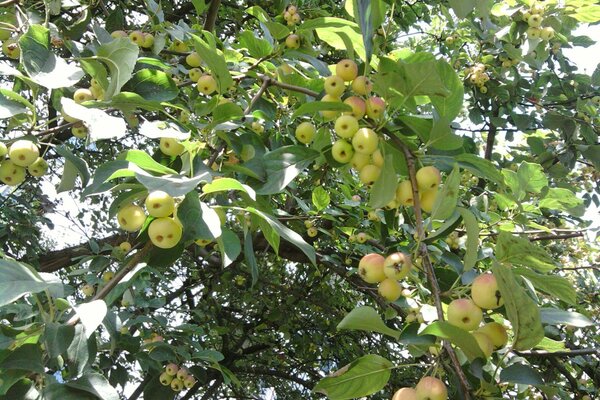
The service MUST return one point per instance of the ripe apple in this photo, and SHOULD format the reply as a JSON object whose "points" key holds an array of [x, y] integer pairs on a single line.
{"points": [[534, 20], [23, 152], [404, 194], [330, 114], [189, 382], [397, 265], [496, 332], [390, 289], [287, 16], [359, 107], [118, 34], [193, 59], [405, 394], [375, 107], [177, 385], [312, 232], [334, 85], [428, 178], [11, 174], [165, 232], [206, 84], [159, 204], [11, 48], [342, 151], [172, 369], [359, 160], [195, 74], [171, 147], [305, 132], [165, 379], [88, 290], [38, 168], [125, 247], [346, 126], [430, 388], [369, 174], [346, 69], [534, 33], [131, 217], [484, 342], [362, 85], [464, 314], [365, 141], [292, 41], [547, 33], [82, 95], [370, 268], [427, 199], [485, 292], [79, 130]]}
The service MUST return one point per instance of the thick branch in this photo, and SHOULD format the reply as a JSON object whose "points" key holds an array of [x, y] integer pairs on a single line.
{"points": [[211, 15], [557, 237], [489, 146], [140, 389]]}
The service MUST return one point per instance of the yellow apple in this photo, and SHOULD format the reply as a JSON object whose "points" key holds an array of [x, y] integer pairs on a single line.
{"points": [[334, 85], [159, 204], [165, 232], [137, 37], [484, 342], [390, 289], [195, 74], [346, 126], [496, 332], [193, 59], [404, 194], [365, 141], [171, 147], [362, 85], [430, 388], [23, 152], [206, 84], [370, 268], [292, 41], [11, 48], [342, 151], [485, 292], [405, 394], [359, 160], [11, 174], [427, 199], [464, 314], [346, 69], [305, 132], [131, 217], [82, 95], [369, 174], [38, 168], [165, 379], [375, 107], [397, 265], [428, 178], [359, 107]]}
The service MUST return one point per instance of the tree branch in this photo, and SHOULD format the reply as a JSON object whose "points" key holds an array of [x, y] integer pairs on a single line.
{"points": [[489, 145], [211, 15], [549, 354]]}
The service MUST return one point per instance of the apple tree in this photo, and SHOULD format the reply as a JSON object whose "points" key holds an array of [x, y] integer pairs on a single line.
{"points": [[321, 199]]}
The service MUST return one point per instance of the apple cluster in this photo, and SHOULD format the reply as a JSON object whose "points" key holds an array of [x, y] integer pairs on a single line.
{"points": [[23, 157], [165, 230], [291, 16], [428, 388], [386, 271], [466, 313], [142, 39], [428, 181], [534, 18], [478, 76], [177, 377]]}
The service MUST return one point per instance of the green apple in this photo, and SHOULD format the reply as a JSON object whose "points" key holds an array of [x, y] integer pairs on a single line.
{"points": [[484, 342], [79, 130], [377, 158], [179, 46], [248, 152], [430, 388], [67, 117], [171, 147], [159, 204], [370, 268], [165, 379], [346, 69], [148, 40], [534, 33], [82, 95], [365, 141], [23, 152], [288, 17], [369, 174], [359, 107], [334, 85], [137, 37], [292, 41], [193, 59], [330, 114], [312, 232], [206, 84], [305, 132], [496, 332], [427, 199], [189, 381], [361, 237], [195, 74], [118, 34], [534, 20], [88, 290], [11, 48], [372, 216], [428, 178], [257, 127], [3, 150], [359, 160], [375, 107], [390, 289], [397, 265], [182, 373], [125, 247], [97, 92], [165, 232], [107, 276], [362, 85], [291, 9], [11, 174], [405, 394], [295, 19], [177, 385], [464, 314], [131, 217], [404, 194], [342, 151], [346, 126], [172, 369], [547, 33], [485, 292], [38, 168]]}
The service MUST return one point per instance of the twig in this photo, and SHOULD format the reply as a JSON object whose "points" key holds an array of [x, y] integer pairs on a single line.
{"points": [[557, 237], [569, 353], [140, 389]]}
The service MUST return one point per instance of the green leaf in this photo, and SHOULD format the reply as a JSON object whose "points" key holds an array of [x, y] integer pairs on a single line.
{"points": [[8, 378], [462, 8], [521, 373], [215, 61], [120, 55], [100, 125], [96, 384], [320, 198], [78, 354], [589, 13], [18, 279], [339, 33], [78, 163], [227, 184], [444, 230], [27, 357], [42, 65], [365, 376], [518, 251], [472, 246], [12, 103], [256, 47], [152, 85], [480, 167], [365, 318], [554, 316], [283, 165], [457, 336], [68, 178], [316, 106], [447, 198], [531, 177], [57, 338], [198, 219], [163, 129], [364, 16], [441, 136], [250, 257], [523, 313], [420, 78], [410, 336], [175, 185], [144, 161], [563, 200], [550, 345], [449, 106], [554, 285], [60, 391], [384, 188], [91, 315], [229, 246]]}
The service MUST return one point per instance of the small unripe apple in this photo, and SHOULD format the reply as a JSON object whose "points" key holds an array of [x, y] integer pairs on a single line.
{"points": [[370, 268], [291, 9], [177, 385], [464, 314], [97, 92], [193, 59], [38, 168], [485, 292], [534, 20], [287, 16], [257, 127], [137, 37], [496, 332], [377, 158], [171, 369], [295, 19], [390, 289], [131, 217], [534, 33], [4, 150], [159, 204], [305, 132], [125, 247], [171, 147], [427, 199], [182, 373], [372, 216], [484, 342], [405, 394], [359, 107], [148, 40], [312, 232], [88, 290], [430, 388], [248, 152], [362, 85], [107, 276], [11, 174], [292, 41], [361, 237], [11, 48], [195, 74], [179, 46], [375, 107], [165, 379], [118, 34], [330, 114], [428, 178], [342, 151], [346, 69], [23, 152], [404, 194], [547, 33], [369, 174], [360, 160], [397, 265], [346, 126], [189, 382], [82, 95], [164, 232], [365, 141], [206, 84], [334, 85]]}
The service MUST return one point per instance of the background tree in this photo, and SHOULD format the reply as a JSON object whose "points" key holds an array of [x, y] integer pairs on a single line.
{"points": [[233, 163]]}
